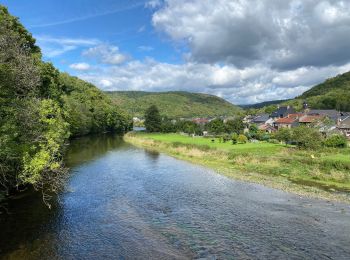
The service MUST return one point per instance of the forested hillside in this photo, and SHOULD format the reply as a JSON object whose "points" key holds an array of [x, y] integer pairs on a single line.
{"points": [[40, 108], [174, 104], [334, 93]]}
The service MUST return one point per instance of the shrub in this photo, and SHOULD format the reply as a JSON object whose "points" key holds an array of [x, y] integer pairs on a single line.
{"points": [[338, 141], [242, 139], [234, 138], [274, 141], [284, 135], [307, 138]]}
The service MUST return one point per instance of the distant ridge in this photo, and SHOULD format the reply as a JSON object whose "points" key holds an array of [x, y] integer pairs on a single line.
{"points": [[174, 104], [263, 104]]}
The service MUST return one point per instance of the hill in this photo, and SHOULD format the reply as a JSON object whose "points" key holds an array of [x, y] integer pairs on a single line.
{"points": [[334, 93], [263, 104], [174, 104]]}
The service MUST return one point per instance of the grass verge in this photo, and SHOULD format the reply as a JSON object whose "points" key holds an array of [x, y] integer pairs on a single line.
{"points": [[322, 174]]}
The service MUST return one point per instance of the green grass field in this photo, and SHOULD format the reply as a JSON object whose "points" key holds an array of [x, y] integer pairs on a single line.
{"points": [[198, 140], [326, 169]]}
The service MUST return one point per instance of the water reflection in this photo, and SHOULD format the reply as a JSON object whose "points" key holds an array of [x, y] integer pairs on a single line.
{"points": [[153, 155], [122, 202]]}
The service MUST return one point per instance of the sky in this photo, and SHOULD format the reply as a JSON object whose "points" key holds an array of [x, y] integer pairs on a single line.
{"points": [[246, 51]]}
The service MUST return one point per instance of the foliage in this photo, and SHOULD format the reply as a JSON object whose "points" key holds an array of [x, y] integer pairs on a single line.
{"points": [[242, 139], [234, 126], [40, 108], [284, 135], [175, 104], [153, 119], [338, 141], [307, 138], [216, 126], [188, 127]]}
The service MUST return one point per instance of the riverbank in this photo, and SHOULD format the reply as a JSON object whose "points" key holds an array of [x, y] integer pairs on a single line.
{"points": [[323, 174]]}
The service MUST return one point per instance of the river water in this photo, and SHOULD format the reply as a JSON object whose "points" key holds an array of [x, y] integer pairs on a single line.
{"points": [[123, 202]]}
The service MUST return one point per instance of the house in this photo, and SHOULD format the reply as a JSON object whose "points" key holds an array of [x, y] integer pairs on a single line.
{"points": [[308, 120], [331, 113], [267, 128], [286, 122], [282, 112], [260, 119], [200, 121], [344, 126], [247, 119], [291, 120]]}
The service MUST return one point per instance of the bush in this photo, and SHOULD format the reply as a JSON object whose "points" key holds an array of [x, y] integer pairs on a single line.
{"points": [[338, 141], [234, 138], [307, 138], [242, 139], [274, 141]]}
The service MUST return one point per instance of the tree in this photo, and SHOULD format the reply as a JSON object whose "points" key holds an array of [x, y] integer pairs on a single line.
{"points": [[306, 137], [284, 135], [152, 119], [216, 126], [338, 141], [234, 126]]}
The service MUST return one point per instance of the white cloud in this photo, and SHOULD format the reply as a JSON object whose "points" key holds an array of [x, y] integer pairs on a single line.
{"points": [[238, 85], [80, 66], [56, 46], [107, 54], [152, 4], [283, 34]]}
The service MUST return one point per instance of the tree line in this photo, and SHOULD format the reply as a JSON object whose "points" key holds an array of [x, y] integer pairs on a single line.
{"points": [[40, 108], [236, 131]]}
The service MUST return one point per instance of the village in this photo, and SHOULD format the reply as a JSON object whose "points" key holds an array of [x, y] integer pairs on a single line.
{"points": [[328, 122]]}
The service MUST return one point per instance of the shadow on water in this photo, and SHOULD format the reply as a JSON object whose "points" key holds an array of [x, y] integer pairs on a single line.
{"points": [[122, 202], [27, 219], [88, 148]]}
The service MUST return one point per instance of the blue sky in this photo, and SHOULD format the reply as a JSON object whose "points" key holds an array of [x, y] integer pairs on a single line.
{"points": [[245, 51]]}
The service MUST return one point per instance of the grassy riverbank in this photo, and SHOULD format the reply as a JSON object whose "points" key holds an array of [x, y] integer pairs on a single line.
{"points": [[323, 174]]}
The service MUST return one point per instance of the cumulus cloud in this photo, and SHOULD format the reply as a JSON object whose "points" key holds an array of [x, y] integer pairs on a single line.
{"points": [[238, 85], [80, 66], [107, 54], [282, 34]]}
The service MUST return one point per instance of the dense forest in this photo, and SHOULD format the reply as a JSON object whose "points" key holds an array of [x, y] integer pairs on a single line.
{"points": [[40, 108], [174, 104]]}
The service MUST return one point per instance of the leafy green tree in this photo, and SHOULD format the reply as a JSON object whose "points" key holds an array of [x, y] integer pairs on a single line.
{"points": [[216, 126], [40, 108], [338, 141], [167, 126], [284, 135], [152, 119], [307, 138], [234, 126]]}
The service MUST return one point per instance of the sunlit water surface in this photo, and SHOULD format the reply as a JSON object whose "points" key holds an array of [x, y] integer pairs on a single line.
{"points": [[122, 202]]}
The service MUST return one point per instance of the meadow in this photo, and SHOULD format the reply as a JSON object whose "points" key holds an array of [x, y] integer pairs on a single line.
{"points": [[322, 173]]}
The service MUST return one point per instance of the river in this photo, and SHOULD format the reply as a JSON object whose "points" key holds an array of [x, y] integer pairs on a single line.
{"points": [[123, 202]]}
